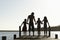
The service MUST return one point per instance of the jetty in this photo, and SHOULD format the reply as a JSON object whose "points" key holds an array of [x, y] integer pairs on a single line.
{"points": [[35, 38]]}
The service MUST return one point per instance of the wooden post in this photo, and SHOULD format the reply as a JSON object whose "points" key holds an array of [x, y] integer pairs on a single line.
{"points": [[49, 31], [19, 31], [56, 36], [15, 36], [3, 37]]}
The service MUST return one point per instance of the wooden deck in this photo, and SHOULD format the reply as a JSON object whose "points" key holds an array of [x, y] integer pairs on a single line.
{"points": [[35, 38]]}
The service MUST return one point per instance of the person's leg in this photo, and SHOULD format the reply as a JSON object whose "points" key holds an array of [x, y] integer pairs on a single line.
{"points": [[29, 29], [38, 33], [33, 29], [46, 31], [39, 30], [24, 33]]}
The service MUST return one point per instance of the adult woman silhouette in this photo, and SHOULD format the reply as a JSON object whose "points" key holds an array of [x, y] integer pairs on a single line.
{"points": [[45, 25]]}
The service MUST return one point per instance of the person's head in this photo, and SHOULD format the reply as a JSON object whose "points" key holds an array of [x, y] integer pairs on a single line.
{"points": [[24, 19], [38, 18], [32, 13], [45, 17]]}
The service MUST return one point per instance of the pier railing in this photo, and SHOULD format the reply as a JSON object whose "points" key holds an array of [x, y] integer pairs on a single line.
{"points": [[49, 31]]}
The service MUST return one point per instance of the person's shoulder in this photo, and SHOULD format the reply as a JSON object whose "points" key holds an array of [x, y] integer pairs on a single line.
{"points": [[37, 21], [33, 16], [23, 21], [29, 15]]}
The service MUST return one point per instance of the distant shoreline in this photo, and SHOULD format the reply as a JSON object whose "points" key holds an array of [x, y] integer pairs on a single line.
{"points": [[12, 30], [56, 28], [9, 30]]}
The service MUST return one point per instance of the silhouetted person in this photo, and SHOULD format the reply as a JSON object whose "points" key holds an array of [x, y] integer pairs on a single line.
{"points": [[31, 18], [24, 29], [45, 25], [38, 26]]}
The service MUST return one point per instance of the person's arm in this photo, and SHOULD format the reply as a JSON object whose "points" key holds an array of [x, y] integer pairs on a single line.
{"points": [[48, 24], [34, 20], [41, 22], [27, 19], [27, 23], [21, 24]]}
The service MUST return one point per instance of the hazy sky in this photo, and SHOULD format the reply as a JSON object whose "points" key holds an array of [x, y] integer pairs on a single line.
{"points": [[13, 12]]}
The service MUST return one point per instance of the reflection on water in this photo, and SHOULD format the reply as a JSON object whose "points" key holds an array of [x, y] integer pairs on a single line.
{"points": [[10, 34]]}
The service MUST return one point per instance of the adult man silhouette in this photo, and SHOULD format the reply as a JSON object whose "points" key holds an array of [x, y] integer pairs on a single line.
{"points": [[31, 18]]}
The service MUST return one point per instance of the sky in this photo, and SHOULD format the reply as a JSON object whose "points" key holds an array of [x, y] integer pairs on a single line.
{"points": [[13, 12]]}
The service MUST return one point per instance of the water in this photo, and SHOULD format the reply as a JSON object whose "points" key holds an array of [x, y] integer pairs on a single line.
{"points": [[55, 32], [10, 35]]}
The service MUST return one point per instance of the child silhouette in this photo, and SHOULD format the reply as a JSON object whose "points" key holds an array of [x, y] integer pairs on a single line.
{"points": [[38, 26], [24, 29]]}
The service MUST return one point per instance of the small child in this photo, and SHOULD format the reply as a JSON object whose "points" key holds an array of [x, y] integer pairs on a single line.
{"points": [[39, 26], [24, 29]]}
